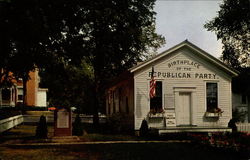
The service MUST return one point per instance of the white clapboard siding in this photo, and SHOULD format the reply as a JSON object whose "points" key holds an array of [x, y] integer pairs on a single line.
{"points": [[243, 127], [198, 87]]}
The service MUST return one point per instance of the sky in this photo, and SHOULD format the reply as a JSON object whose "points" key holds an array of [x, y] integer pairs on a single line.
{"points": [[178, 20]]}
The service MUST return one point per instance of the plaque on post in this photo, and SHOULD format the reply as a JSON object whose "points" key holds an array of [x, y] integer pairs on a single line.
{"points": [[62, 122]]}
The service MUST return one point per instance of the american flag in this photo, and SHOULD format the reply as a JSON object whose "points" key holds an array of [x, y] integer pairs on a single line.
{"points": [[152, 84]]}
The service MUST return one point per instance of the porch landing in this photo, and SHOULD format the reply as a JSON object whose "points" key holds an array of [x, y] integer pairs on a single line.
{"points": [[192, 129]]}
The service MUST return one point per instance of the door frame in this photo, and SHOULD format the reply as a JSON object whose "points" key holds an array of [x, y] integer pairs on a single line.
{"points": [[193, 108], [186, 112]]}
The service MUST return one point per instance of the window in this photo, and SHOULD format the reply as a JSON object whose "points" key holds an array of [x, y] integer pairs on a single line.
{"points": [[156, 102], [113, 96], [120, 99], [20, 94], [109, 102], [127, 107], [6, 94], [20, 97], [109, 109], [243, 99], [212, 97]]}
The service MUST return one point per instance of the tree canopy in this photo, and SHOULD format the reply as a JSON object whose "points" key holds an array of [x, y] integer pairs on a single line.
{"points": [[69, 86], [241, 82], [60, 36], [232, 26]]}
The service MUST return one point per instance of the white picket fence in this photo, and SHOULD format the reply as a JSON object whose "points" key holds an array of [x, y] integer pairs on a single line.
{"points": [[50, 118], [11, 122], [35, 118], [243, 127]]}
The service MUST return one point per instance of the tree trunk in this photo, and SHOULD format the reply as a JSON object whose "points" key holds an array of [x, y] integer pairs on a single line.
{"points": [[96, 106], [248, 99]]}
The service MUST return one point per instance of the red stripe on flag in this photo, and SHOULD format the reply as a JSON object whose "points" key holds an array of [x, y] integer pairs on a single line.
{"points": [[152, 87]]}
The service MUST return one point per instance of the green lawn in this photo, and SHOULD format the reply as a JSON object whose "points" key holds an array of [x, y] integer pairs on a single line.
{"points": [[22, 134], [26, 134], [145, 151], [148, 151]]}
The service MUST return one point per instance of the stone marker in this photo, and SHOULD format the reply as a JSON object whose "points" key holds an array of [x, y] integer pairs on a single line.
{"points": [[62, 122]]}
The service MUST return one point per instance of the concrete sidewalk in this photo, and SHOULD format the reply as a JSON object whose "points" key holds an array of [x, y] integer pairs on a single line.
{"points": [[96, 142]]}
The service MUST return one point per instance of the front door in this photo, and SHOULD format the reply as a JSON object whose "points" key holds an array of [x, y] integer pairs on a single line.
{"points": [[184, 108]]}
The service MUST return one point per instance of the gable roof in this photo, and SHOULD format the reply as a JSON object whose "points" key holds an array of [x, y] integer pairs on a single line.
{"points": [[193, 47]]}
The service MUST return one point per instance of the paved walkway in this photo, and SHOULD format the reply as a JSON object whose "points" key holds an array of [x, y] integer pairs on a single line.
{"points": [[97, 142]]}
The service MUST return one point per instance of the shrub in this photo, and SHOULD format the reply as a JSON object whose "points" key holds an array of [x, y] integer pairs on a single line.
{"points": [[117, 123], [144, 128], [114, 123], [42, 130], [77, 126], [239, 116], [232, 125]]}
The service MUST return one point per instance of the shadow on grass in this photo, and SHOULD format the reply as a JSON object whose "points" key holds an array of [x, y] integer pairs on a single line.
{"points": [[22, 134], [147, 151]]}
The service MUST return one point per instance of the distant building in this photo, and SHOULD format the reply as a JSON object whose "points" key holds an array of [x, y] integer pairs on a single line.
{"points": [[13, 95], [241, 95], [241, 102], [193, 92]]}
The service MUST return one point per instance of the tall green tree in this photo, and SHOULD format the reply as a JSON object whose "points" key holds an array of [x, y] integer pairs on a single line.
{"points": [[21, 33], [110, 35], [232, 26], [122, 31], [69, 85]]}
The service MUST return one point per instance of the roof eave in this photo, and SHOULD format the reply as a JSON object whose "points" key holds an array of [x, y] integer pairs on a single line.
{"points": [[229, 70], [162, 54]]}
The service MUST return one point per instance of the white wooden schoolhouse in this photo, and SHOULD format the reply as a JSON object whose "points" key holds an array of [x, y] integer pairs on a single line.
{"points": [[192, 92]]}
